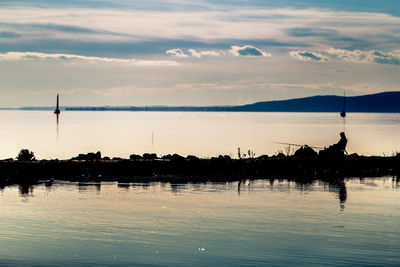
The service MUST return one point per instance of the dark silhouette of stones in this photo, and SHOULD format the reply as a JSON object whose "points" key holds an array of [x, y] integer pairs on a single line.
{"points": [[88, 156], [192, 158], [353, 156], [177, 169], [149, 156], [173, 157], [177, 157], [305, 152], [134, 156]]}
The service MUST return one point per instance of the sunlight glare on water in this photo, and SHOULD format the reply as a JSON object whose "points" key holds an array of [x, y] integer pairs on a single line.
{"points": [[204, 134]]}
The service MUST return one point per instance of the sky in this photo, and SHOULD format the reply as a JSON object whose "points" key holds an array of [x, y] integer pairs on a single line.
{"points": [[195, 52]]}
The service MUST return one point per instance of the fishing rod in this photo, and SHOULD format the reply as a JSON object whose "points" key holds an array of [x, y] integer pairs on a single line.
{"points": [[290, 144]]}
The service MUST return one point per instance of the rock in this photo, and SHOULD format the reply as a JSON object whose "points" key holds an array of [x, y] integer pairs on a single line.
{"points": [[149, 156], [134, 156], [305, 152], [88, 156], [192, 158]]}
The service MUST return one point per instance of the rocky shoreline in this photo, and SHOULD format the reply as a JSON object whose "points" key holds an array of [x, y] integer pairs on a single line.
{"points": [[177, 169]]}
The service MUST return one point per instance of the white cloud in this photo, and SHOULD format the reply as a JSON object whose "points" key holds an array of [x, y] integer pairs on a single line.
{"points": [[308, 56], [248, 50], [359, 56], [200, 54], [203, 25], [18, 56], [356, 56], [176, 53]]}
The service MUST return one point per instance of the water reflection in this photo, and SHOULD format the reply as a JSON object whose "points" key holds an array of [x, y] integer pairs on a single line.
{"points": [[124, 185], [337, 186], [246, 184], [93, 186], [175, 188], [271, 182], [239, 186], [57, 125], [396, 182], [126, 224], [145, 185], [25, 190], [304, 186]]}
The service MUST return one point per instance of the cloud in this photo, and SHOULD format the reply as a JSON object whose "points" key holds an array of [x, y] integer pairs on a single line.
{"points": [[308, 56], [359, 56], [176, 53], [315, 27], [311, 32], [356, 56], [200, 54], [18, 56], [50, 27], [247, 51], [340, 70], [9, 35]]}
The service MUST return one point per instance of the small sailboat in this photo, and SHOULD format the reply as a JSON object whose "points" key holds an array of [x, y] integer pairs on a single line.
{"points": [[57, 111], [343, 113]]}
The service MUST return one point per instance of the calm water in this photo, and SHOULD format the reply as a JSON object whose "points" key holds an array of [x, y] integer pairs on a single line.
{"points": [[355, 223], [202, 134]]}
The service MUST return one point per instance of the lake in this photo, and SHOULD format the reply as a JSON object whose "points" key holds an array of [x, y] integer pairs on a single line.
{"points": [[355, 222], [204, 134]]}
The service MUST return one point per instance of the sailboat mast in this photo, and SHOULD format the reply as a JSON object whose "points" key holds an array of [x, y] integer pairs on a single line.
{"points": [[344, 102], [57, 111], [343, 113]]}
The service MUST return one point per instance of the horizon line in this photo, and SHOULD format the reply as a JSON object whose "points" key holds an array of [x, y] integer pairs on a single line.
{"points": [[185, 106]]}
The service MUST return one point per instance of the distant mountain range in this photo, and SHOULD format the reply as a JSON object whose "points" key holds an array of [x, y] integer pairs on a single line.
{"points": [[387, 102]]}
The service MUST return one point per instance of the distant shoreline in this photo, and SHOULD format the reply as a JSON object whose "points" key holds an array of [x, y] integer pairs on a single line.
{"points": [[386, 102], [188, 111]]}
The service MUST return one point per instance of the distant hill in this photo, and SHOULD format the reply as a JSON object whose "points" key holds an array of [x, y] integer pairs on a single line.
{"points": [[382, 102], [387, 102]]}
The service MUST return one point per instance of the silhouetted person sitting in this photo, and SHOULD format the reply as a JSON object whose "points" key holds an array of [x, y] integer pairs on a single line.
{"points": [[336, 150], [341, 145]]}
